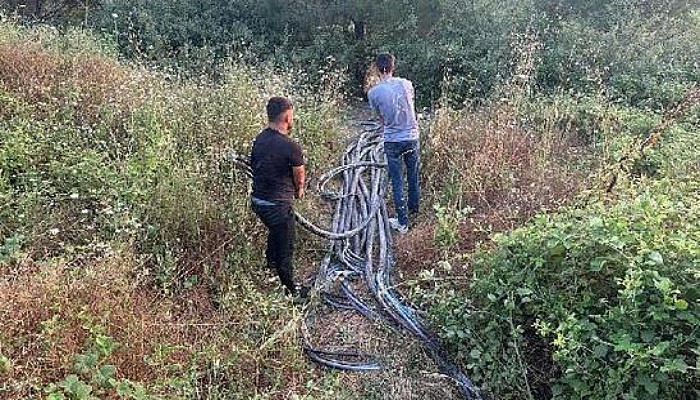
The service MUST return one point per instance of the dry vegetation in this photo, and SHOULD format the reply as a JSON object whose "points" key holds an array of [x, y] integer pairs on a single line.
{"points": [[145, 256], [498, 172]]}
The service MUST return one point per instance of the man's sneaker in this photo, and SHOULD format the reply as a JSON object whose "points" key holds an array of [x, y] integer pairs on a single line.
{"points": [[302, 295], [394, 223], [303, 291]]}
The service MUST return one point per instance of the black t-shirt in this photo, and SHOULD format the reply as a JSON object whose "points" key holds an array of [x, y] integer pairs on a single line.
{"points": [[272, 158]]}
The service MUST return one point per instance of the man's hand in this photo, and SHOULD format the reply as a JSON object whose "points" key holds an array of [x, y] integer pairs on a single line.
{"points": [[300, 193]]}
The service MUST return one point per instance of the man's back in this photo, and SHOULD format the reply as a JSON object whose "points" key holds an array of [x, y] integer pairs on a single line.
{"points": [[393, 99], [272, 158]]}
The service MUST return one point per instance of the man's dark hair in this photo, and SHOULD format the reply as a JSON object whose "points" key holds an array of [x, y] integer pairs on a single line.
{"points": [[277, 106], [385, 62]]}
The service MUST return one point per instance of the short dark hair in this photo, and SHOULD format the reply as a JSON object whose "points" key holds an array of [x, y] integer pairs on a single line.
{"points": [[385, 62], [277, 106]]}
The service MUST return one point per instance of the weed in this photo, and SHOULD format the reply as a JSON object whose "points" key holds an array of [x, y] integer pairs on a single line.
{"points": [[446, 234]]}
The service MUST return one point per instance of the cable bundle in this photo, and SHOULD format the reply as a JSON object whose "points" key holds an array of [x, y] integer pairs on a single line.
{"points": [[360, 252]]}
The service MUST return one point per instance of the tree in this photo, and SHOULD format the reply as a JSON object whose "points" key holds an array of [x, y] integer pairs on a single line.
{"points": [[55, 11]]}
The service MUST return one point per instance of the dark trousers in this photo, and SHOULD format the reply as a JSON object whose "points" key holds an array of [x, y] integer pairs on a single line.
{"points": [[398, 155], [279, 221]]}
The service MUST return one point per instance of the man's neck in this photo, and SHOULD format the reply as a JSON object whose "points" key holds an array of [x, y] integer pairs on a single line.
{"points": [[281, 128], [385, 76]]}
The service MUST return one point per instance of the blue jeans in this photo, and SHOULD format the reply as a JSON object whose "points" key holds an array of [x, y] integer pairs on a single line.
{"points": [[399, 154]]}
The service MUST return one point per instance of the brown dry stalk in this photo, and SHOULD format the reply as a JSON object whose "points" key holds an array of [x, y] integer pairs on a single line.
{"points": [[689, 101]]}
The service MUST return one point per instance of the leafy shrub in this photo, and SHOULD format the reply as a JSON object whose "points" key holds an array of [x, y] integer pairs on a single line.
{"points": [[93, 151], [640, 53], [54, 181], [446, 233], [185, 35], [93, 376], [584, 121], [440, 45], [600, 302]]}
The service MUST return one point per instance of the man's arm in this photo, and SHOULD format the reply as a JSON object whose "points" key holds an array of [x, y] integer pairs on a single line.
{"points": [[375, 108], [298, 171], [299, 180]]}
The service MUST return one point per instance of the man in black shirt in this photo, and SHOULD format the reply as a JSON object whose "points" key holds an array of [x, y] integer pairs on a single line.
{"points": [[278, 177]]}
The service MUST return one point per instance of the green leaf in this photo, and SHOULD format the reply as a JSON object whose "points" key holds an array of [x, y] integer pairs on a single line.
{"points": [[69, 381], [75, 387], [191, 281], [656, 257], [55, 396], [660, 348], [600, 351], [136, 391], [557, 250], [596, 265], [625, 344], [651, 387], [84, 363], [681, 304], [125, 389], [107, 371], [647, 336], [5, 365], [595, 222], [675, 365], [105, 375], [105, 345]]}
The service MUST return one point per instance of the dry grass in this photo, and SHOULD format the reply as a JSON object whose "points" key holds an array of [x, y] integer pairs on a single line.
{"points": [[408, 372], [48, 311], [90, 84], [485, 160]]}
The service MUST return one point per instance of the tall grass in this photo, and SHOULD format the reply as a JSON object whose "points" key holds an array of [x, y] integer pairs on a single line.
{"points": [[121, 221]]}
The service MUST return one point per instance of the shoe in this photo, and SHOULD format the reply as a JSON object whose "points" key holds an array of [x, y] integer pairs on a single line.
{"points": [[394, 223], [302, 295], [300, 301], [303, 291]]}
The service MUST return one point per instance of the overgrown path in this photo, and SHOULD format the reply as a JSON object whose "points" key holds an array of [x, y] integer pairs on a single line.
{"points": [[355, 282]]}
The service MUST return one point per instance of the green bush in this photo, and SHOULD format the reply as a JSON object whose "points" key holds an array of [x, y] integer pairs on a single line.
{"points": [[54, 182], [640, 53], [584, 120], [600, 302]]}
